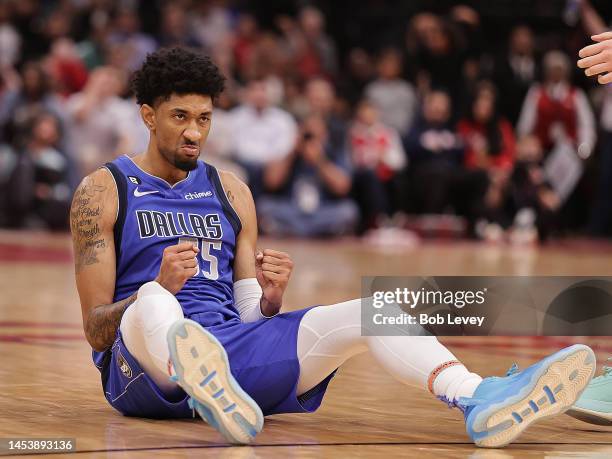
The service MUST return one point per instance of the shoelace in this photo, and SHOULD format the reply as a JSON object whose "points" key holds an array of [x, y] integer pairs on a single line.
{"points": [[454, 403], [512, 370], [463, 402], [607, 371]]}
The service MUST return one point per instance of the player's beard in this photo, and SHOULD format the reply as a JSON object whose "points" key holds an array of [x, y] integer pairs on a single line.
{"points": [[184, 164]]}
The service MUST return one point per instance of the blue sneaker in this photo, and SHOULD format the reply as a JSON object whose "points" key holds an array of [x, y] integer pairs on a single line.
{"points": [[203, 371], [595, 405], [501, 408]]}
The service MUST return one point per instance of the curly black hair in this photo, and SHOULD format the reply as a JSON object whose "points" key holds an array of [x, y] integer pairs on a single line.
{"points": [[176, 71]]}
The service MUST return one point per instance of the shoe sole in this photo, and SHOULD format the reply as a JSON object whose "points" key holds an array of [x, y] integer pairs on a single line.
{"points": [[592, 417], [202, 370], [553, 389]]}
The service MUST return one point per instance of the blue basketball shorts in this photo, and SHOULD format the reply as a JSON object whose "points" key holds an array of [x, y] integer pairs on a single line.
{"points": [[263, 360]]}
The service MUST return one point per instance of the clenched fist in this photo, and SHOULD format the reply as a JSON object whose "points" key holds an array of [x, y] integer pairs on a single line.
{"points": [[273, 270], [178, 264]]}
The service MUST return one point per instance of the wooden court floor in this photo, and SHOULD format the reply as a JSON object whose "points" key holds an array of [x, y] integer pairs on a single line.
{"points": [[50, 388]]}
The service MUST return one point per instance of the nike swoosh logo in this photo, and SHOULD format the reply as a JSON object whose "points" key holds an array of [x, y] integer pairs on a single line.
{"points": [[143, 193]]}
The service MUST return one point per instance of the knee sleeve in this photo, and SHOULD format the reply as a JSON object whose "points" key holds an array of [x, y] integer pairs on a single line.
{"points": [[144, 327]]}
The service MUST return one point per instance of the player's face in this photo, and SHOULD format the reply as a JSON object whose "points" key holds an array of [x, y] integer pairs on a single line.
{"points": [[182, 124]]}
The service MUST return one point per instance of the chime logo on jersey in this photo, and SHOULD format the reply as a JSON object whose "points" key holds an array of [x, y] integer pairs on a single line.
{"points": [[198, 195], [172, 224]]}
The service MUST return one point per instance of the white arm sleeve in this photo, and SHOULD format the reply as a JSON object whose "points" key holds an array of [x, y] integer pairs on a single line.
{"points": [[247, 299]]}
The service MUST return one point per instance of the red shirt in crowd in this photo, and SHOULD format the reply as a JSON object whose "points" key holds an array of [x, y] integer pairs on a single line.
{"points": [[376, 147], [474, 136]]}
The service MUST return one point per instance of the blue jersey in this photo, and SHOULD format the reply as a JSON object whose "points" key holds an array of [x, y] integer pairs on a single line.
{"points": [[154, 215]]}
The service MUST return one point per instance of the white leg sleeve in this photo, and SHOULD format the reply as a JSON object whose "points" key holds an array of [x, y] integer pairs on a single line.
{"points": [[144, 327], [329, 335]]}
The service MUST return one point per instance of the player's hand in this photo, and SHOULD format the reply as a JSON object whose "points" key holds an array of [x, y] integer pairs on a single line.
{"points": [[178, 264], [273, 269], [596, 59]]}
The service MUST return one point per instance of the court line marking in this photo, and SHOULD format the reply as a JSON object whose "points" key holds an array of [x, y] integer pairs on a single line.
{"points": [[290, 445], [37, 324], [21, 252]]}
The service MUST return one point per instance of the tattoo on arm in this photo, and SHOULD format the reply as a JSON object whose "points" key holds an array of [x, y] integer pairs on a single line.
{"points": [[230, 196], [103, 322], [85, 220]]}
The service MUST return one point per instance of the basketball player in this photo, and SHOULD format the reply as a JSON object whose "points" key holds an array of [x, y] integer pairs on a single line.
{"points": [[171, 283], [595, 404]]}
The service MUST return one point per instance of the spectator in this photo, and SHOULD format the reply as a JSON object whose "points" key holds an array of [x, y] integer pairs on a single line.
{"points": [[490, 148], [10, 41], [27, 96], [377, 156], [261, 133], [359, 72], [489, 138], [312, 23], [66, 68], [56, 44], [175, 29], [127, 32], [534, 203], [101, 122], [211, 24], [245, 41], [295, 101], [40, 191], [218, 146], [557, 111], [313, 52], [307, 191], [321, 100], [10, 86], [394, 97], [559, 115], [268, 63], [93, 27], [436, 56], [516, 71], [437, 181], [26, 19], [435, 152]]}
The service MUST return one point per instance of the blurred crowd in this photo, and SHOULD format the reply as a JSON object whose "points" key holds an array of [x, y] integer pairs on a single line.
{"points": [[438, 129]]}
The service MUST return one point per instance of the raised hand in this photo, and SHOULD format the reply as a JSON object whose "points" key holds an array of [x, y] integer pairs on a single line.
{"points": [[273, 270], [178, 264], [596, 59]]}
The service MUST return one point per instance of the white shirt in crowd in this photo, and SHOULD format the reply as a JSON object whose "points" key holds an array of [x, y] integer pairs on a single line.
{"points": [[262, 136], [100, 135], [396, 102]]}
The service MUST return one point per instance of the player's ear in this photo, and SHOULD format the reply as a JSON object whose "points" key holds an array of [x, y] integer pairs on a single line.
{"points": [[148, 116]]}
